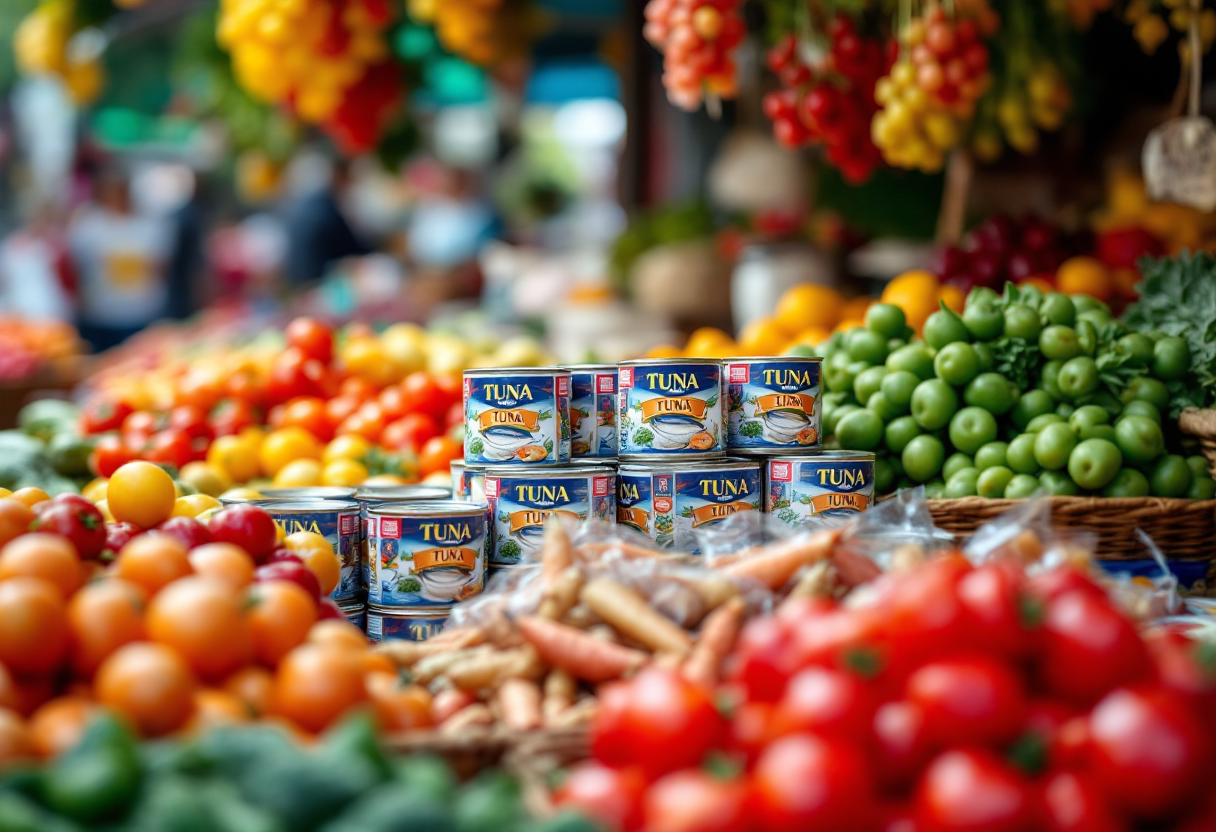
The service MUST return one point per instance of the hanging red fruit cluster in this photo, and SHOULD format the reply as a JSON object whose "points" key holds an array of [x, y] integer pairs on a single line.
{"points": [[698, 39], [365, 110], [831, 103], [950, 58]]}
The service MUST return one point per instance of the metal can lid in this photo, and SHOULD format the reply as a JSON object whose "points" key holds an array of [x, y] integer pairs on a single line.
{"points": [[567, 470], [590, 368], [409, 612], [302, 506], [452, 508], [399, 493], [319, 492], [774, 359], [846, 456], [516, 371], [647, 362], [688, 467]]}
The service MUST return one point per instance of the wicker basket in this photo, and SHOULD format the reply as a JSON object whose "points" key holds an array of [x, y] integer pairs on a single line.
{"points": [[1184, 529], [522, 752], [1201, 424]]}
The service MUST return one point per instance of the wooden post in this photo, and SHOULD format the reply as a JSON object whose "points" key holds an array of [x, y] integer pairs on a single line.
{"points": [[960, 169]]}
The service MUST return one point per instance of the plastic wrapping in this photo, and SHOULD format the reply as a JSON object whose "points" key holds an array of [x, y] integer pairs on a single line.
{"points": [[895, 530]]}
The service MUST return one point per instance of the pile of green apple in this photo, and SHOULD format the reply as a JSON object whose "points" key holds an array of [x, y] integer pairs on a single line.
{"points": [[1024, 392]]}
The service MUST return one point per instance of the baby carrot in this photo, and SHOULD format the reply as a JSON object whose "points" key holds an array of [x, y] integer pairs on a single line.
{"points": [[629, 613], [717, 638], [577, 653]]}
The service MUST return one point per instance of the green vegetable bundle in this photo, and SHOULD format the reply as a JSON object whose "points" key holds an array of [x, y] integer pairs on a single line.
{"points": [[1023, 392]]}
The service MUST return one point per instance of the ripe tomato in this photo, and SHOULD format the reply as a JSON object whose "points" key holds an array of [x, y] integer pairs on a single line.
{"points": [[825, 702], [392, 402], [15, 519], [315, 685], [141, 493], [59, 724], [247, 386], [309, 413], [311, 337], [657, 721], [973, 790], [358, 388], [214, 708], [315, 553], [451, 385], [102, 617], [455, 416], [1183, 670], [246, 526], [1073, 802], [399, 706], [30, 497], [410, 432], [170, 446], [203, 620], [1003, 614], [119, 535], [1087, 647], [253, 686], [109, 454], [367, 421], [192, 420], [149, 685], [693, 801], [294, 374], [612, 797], [1149, 753], [296, 573], [763, 661], [16, 741], [223, 562], [50, 557], [804, 782], [142, 423], [82, 525], [280, 616], [438, 454], [186, 530], [231, 416], [328, 609], [423, 395], [33, 625], [340, 408], [102, 414], [152, 561], [968, 700], [901, 743]]}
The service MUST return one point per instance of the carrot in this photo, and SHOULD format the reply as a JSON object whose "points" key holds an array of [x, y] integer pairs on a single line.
{"points": [[580, 713], [561, 594], [816, 581], [435, 666], [489, 669], [518, 703], [556, 555], [715, 643], [775, 564], [714, 590], [629, 613], [448, 702], [626, 550], [580, 616], [577, 653], [854, 568], [559, 695], [407, 653], [473, 715]]}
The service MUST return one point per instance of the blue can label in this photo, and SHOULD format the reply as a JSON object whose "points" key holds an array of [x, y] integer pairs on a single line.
{"points": [[798, 488], [382, 626], [517, 419], [592, 413], [671, 409], [521, 505], [423, 561], [670, 508], [773, 403], [357, 616], [341, 529]]}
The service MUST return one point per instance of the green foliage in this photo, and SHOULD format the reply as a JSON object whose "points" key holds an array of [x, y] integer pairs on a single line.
{"points": [[663, 226], [643, 436], [752, 429], [507, 550]]}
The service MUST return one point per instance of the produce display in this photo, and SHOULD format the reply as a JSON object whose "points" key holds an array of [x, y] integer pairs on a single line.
{"points": [[482, 32], [698, 41], [48, 451], [30, 347]]}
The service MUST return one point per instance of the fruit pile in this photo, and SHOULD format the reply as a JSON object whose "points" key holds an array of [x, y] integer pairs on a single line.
{"points": [[698, 40], [483, 32], [1002, 249], [173, 622], [26, 347], [1023, 391], [952, 697], [40, 47]]}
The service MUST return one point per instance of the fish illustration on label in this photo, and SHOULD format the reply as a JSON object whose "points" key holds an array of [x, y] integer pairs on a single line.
{"points": [[670, 504], [425, 554]]}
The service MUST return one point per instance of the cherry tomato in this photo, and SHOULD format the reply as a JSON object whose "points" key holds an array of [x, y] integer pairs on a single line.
{"points": [[367, 421], [311, 337], [825, 702], [1149, 753], [451, 385], [613, 797], [339, 408], [423, 395], [455, 416], [77, 520], [171, 446], [763, 659], [657, 721], [248, 386], [328, 608], [973, 790], [231, 416], [803, 782], [191, 420], [103, 414], [1183, 669], [108, 455], [409, 432], [294, 374], [751, 728], [309, 413], [1073, 802], [142, 422], [438, 454], [693, 801], [358, 388], [118, 535], [1004, 614], [901, 743], [188, 531], [1087, 647], [969, 700], [392, 402], [246, 526], [296, 573]]}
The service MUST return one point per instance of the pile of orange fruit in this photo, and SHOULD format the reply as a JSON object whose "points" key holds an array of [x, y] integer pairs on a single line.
{"points": [[483, 32]]}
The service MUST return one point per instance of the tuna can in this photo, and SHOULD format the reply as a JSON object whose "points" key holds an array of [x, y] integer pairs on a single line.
{"points": [[833, 483], [670, 407], [318, 492], [772, 404], [593, 410], [522, 501], [402, 493], [356, 613], [517, 415], [470, 483], [335, 520], [394, 623], [425, 554], [669, 502]]}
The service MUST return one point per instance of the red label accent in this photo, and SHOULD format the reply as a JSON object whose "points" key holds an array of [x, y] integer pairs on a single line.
{"points": [[599, 486], [390, 527], [626, 377], [739, 373], [346, 523], [781, 471], [605, 384], [662, 504], [563, 385], [491, 486], [467, 384]]}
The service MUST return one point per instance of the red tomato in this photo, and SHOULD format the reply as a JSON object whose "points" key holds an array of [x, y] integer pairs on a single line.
{"points": [[119, 535], [248, 386], [246, 526], [339, 408], [294, 374], [971, 700], [1149, 753], [109, 454], [840, 638], [143, 423], [367, 421], [451, 385], [1088, 647], [925, 612], [1184, 669], [1054, 583], [296, 573], [328, 608], [409, 432], [186, 530], [825, 702], [1046, 718], [77, 520], [973, 790], [359, 388], [901, 743], [803, 782], [692, 801], [392, 402], [309, 413], [1073, 802], [763, 660], [657, 721], [455, 416], [231, 416], [191, 420], [438, 453], [101, 415], [612, 797], [171, 446], [423, 395], [993, 598], [281, 554], [751, 728], [311, 337]]}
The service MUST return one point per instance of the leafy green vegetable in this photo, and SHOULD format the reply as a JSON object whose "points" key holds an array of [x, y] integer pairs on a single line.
{"points": [[548, 446], [476, 447], [643, 436], [1016, 359], [408, 584], [507, 550], [752, 429]]}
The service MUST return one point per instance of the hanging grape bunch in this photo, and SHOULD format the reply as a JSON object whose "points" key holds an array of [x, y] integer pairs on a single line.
{"points": [[698, 40], [831, 103]]}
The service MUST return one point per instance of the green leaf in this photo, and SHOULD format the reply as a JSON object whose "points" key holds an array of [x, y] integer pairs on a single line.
{"points": [[643, 436]]}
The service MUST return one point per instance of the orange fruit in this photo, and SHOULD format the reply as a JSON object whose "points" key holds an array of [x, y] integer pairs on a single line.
{"points": [[316, 684], [809, 304], [856, 307], [1085, 276], [203, 620], [338, 633], [399, 706], [30, 496], [664, 351], [224, 562], [1041, 283], [102, 617], [50, 557], [916, 293], [318, 556], [15, 740], [141, 493], [15, 519], [954, 297], [709, 342], [33, 626], [764, 336], [148, 684], [214, 707], [811, 336], [152, 561], [253, 686], [280, 615], [59, 724]]}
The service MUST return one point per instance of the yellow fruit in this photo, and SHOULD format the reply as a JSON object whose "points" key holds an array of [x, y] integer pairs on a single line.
{"points": [[288, 445], [763, 336], [319, 556], [855, 308], [849, 323], [343, 472], [94, 492], [809, 304], [664, 351], [916, 293], [1085, 276], [233, 494], [1038, 283], [104, 507], [192, 505], [233, 457], [299, 473], [406, 346], [366, 357], [141, 493], [953, 297], [811, 336], [708, 342], [348, 446], [206, 478]]}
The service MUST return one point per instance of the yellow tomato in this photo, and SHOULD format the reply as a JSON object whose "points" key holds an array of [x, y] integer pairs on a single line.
{"points": [[141, 493], [208, 479], [343, 472], [855, 308], [241, 494], [764, 336], [848, 323], [347, 446], [1085, 276], [954, 297], [916, 293], [94, 492], [299, 473], [664, 351], [366, 357], [809, 304], [288, 445], [320, 558], [253, 436], [234, 458], [104, 507], [192, 505], [812, 336]]}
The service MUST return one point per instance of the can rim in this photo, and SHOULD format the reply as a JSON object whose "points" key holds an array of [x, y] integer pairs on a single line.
{"points": [[401, 491], [693, 467], [712, 456], [408, 612], [316, 491], [635, 362], [769, 359], [455, 508], [828, 456], [515, 371], [304, 505], [579, 368], [567, 470]]}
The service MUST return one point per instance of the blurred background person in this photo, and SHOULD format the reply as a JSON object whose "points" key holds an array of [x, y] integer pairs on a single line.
{"points": [[36, 278], [318, 233]]}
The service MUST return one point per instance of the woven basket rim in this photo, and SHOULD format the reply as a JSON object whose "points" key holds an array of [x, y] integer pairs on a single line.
{"points": [[1200, 422], [1126, 503]]}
